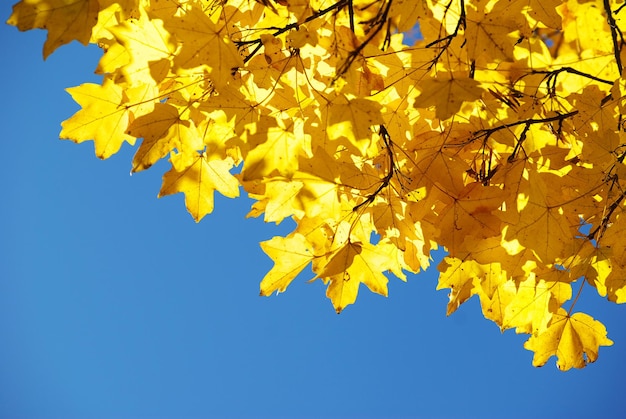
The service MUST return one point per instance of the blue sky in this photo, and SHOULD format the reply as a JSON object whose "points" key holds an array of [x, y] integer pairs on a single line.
{"points": [[116, 304]]}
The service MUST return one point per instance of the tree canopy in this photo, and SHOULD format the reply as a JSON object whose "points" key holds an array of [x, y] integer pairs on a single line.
{"points": [[384, 129]]}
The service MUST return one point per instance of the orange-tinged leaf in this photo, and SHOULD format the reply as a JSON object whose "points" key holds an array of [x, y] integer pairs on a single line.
{"points": [[574, 340], [406, 13], [197, 177], [447, 94], [291, 255], [474, 212], [458, 276], [65, 20], [544, 11], [490, 34], [352, 119]]}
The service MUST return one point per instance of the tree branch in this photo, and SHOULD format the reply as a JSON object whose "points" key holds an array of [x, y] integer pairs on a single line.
{"points": [[277, 30], [527, 123], [614, 32], [392, 168], [447, 40], [378, 24]]}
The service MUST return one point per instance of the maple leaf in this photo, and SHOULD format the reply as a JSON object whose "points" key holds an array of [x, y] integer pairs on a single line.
{"points": [[197, 177], [540, 226], [65, 20], [149, 49], [163, 130], [291, 255], [523, 305], [406, 13], [352, 119], [573, 339], [275, 149], [490, 34], [351, 265], [104, 117], [447, 94], [204, 44], [458, 276]]}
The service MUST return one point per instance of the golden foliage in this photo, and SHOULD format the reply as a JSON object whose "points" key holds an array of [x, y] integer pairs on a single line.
{"points": [[385, 129]]}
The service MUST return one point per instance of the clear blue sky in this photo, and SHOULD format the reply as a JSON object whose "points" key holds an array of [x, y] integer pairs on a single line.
{"points": [[114, 304]]}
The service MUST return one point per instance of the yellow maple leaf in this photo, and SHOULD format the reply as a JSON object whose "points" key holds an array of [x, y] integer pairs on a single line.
{"points": [[351, 265], [523, 305], [544, 11], [574, 340], [586, 25], [278, 200], [541, 225], [65, 20], [406, 13], [149, 49], [490, 35], [111, 14], [610, 262], [474, 211], [276, 148], [197, 177], [205, 43], [103, 118], [352, 119], [291, 255], [447, 94], [163, 130], [458, 276]]}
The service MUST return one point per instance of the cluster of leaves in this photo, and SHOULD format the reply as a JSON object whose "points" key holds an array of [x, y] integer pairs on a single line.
{"points": [[497, 135]]}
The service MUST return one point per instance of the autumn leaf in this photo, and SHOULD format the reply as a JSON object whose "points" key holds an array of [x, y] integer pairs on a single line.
{"points": [[65, 20], [197, 177], [291, 255], [163, 130], [275, 149], [407, 13], [204, 44], [352, 119], [574, 340], [447, 94], [458, 276], [277, 200], [104, 117], [148, 47], [351, 265], [492, 34]]}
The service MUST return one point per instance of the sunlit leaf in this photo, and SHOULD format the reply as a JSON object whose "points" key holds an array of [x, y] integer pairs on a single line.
{"points": [[65, 20], [574, 340]]}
